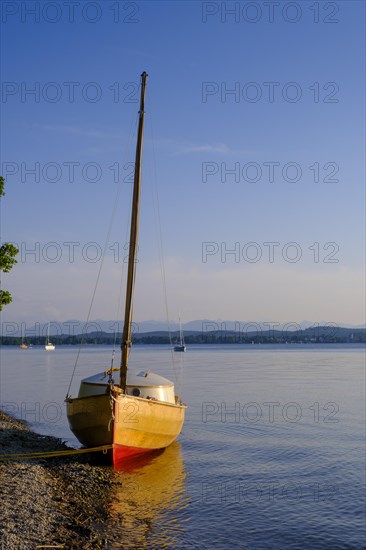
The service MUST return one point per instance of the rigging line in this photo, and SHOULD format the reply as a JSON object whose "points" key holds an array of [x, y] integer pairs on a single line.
{"points": [[116, 202], [120, 293], [158, 228], [160, 243], [127, 244], [128, 223]]}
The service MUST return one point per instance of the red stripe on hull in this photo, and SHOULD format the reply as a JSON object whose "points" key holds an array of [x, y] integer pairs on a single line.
{"points": [[121, 452]]}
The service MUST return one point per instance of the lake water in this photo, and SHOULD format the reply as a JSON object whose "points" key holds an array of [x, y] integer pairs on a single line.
{"points": [[271, 455]]}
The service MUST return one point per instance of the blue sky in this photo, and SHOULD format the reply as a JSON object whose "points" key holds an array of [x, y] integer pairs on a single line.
{"points": [[256, 130]]}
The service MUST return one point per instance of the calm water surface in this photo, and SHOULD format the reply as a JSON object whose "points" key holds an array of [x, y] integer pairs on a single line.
{"points": [[271, 454]]}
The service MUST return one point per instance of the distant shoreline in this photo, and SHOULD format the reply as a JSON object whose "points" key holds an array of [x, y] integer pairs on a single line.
{"points": [[198, 344], [311, 335]]}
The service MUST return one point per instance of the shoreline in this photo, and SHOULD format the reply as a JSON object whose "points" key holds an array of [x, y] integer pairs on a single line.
{"points": [[59, 502], [225, 341]]}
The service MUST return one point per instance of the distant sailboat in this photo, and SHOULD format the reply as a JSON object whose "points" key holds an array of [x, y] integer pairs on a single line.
{"points": [[49, 346], [181, 346], [23, 345]]}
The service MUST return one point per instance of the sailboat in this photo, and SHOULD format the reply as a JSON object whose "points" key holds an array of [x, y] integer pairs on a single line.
{"points": [[181, 346], [23, 345], [49, 346], [140, 412]]}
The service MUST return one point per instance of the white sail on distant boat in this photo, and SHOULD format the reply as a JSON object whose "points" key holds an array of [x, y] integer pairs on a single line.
{"points": [[181, 346], [49, 346]]}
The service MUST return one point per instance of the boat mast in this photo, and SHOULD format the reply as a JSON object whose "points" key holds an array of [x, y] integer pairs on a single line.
{"points": [[126, 338], [180, 331]]}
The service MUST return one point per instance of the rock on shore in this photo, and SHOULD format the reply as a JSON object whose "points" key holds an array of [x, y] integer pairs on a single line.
{"points": [[58, 502]]}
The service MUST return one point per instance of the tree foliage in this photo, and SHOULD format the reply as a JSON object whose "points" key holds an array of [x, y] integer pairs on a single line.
{"points": [[7, 258]]}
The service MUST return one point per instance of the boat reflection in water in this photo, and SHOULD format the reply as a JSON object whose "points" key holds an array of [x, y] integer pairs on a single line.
{"points": [[149, 496]]}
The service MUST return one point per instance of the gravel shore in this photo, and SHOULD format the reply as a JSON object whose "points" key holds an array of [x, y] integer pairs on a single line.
{"points": [[50, 502]]}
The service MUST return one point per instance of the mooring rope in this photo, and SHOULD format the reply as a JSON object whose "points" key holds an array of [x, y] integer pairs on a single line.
{"points": [[50, 454]]}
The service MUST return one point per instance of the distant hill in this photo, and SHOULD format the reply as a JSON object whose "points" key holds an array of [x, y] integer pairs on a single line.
{"points": [[73, 327], [243, 335]]}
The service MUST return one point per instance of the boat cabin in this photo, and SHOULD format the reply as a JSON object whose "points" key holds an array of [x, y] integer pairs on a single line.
{"points": [[144, 384]]}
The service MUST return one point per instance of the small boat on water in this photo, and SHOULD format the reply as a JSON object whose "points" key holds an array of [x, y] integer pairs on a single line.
{"points": [[23, 345], [49, 346], [140, 412], [181, 346]]}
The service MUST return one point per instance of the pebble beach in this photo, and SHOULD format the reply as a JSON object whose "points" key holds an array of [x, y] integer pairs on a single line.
{"points": [[49, 502]]}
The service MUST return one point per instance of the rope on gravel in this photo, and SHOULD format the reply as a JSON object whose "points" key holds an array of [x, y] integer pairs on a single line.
{"points": [[50, 454]]}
